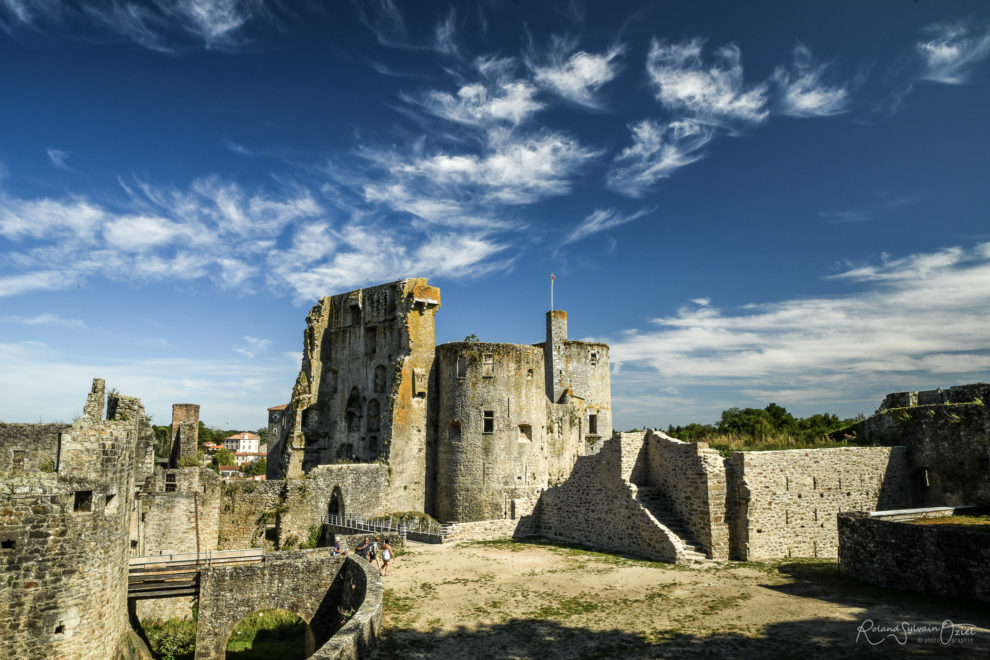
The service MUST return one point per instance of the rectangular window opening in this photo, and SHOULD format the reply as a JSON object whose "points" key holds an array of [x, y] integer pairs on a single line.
{"points": [[8, 544], [370, 340], [109, 501], [488, 366], [82, 501], [170, 483], [59, 629], [454, 432], [592, 424], [489, 421], [462, 366], [525, 433], [594, 357]]}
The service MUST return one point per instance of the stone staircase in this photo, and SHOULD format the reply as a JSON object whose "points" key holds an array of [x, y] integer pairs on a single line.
{"points": [[660, 508]]}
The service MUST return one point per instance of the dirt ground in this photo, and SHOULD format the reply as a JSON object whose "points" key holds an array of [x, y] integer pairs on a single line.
{"points": [[534, 599]]}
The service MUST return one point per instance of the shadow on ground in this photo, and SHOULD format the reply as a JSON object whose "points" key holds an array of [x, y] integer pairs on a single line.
{"points": [[914, 622]]}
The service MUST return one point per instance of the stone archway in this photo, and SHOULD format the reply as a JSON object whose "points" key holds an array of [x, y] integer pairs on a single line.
{"points": [[336, 505], [309, 641], [308, 583]]}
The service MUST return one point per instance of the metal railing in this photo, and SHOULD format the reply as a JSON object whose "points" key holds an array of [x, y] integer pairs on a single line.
{"points": [[390, 525]]}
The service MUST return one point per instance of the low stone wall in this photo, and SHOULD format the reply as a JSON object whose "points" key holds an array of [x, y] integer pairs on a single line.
{"points": [[949, 561], [487, 530], [692, 478], [596, 507]]}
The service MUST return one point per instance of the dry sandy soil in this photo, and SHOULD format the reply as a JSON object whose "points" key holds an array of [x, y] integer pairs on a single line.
{"points": [[505, 599]]}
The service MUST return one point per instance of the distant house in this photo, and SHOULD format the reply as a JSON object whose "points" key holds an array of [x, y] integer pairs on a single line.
{"points": [[230, 472], [242, 442], [243, 458], [212, 447]]}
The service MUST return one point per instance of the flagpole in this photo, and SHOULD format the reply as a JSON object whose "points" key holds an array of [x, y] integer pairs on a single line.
{"points": [[552, 278]]}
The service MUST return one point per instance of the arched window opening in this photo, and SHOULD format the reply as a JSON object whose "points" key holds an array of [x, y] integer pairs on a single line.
{"points": [[380, 379]]}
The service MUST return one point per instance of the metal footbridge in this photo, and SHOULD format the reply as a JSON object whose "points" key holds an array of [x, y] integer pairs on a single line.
{"points": [[424, 531]]}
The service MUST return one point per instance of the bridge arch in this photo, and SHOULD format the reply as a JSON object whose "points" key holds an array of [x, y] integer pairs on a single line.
{"points": [[310, 640], [308, 583]]}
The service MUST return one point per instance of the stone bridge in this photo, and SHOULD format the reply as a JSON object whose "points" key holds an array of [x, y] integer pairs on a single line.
{"points": [[339, 598]]}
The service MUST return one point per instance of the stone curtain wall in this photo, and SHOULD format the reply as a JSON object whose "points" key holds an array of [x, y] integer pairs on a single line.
{"points": [[28, 448], [692, 478], [64, 544], [311, 584], [786, 502], [292, 507], [949, 561], [486, 530], [948, 443], [595, 506]]}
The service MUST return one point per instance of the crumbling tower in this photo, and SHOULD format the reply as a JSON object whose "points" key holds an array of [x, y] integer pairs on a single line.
{"points": [[185, 432]]}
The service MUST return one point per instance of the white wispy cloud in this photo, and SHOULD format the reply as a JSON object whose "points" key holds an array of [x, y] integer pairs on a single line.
{"points": [[890, 333], [802, 92], [601, 220], [656, 152], [253, 346], [46, 319], [59, 158], [42, 280], [575, 76], [952, 50], [163, 25], [713, 93], [483, 104]]}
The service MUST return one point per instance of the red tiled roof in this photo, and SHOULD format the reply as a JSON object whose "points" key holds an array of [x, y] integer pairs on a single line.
{"points": [[247, 435], [250, 453], [281, 407]]}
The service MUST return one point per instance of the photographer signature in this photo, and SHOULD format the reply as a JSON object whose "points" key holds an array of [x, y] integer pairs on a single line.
{"points": [[875, 633]]}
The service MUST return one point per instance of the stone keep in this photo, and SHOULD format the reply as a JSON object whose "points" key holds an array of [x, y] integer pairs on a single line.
{"points": [[469, 430]]}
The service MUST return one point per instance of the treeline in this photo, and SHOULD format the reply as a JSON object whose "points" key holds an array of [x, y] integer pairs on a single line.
{"points": [[754, 427], [163, 437]]}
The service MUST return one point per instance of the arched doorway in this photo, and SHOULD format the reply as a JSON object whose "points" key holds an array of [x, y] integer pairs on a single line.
{"points": [[336, 506], [271, 634]]}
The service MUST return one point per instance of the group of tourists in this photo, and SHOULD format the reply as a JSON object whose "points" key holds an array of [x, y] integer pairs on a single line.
{"points": [[370, 550]]}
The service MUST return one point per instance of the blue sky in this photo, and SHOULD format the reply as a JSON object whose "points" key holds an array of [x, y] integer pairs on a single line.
{"points": [[751, 202]]}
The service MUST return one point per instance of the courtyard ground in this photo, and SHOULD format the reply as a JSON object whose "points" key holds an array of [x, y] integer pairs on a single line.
{"points": [[540, 600]]}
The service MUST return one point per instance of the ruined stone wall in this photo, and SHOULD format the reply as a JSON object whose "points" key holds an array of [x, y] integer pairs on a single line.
{"points": [[362, 393], [124, 408], [64, 545], [936, 559], [691, 476], [786, 502], [492, 445], [278, 417], [947, 433], [290, 508], [486, 530], [28, 448], [596, 505]]}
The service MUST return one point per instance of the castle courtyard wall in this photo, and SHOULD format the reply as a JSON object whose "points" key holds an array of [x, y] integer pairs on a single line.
{"points": [[28, 448], [786, 502]]}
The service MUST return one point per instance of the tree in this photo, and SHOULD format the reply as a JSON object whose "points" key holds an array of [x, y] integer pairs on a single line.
{"points": [[259, 467], [163, 441], [263, 435], [472, 337], [223, 457]]}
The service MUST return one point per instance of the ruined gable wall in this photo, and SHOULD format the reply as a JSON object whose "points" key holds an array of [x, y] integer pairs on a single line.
{"points": [[595, 506], [64, 586], [362, 392], [29, 448], [480, 474], [787, 501], [692, 478]]}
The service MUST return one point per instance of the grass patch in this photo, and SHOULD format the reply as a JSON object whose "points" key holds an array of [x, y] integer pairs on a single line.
{"points": [[568, 607], [396, 608], [573, 550], [172, 639], [268, 634], [978, 523]]}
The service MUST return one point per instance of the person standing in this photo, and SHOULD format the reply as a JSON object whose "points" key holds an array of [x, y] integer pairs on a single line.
{"points": [[386, 557], [363, 548]]}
